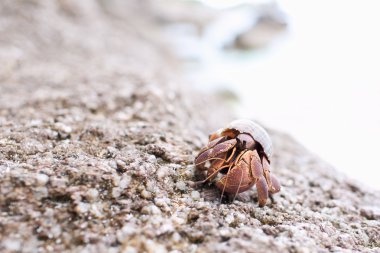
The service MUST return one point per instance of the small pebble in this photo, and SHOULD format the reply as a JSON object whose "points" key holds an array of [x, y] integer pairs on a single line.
{"points": [[151, 209], [92, 194], [11, 245], [125, 181], [160, 202], [81, 208], [224, 232], [126, 230], [195, 195], [40, 192], [116, 192], [146, 195], [42, 179], [181, 186], [229, 218]]}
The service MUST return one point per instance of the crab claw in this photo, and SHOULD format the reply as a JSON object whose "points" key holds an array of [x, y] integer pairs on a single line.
{"points": [[213, 170], [213, 150], [238, 179]]}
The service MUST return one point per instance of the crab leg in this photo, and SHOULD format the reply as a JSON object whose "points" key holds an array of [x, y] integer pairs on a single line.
{"points": [[255, 165], [276, 186], [266, 170], [241, 179], [273, 183], [256, 170], [262, 191], [213, 142]]}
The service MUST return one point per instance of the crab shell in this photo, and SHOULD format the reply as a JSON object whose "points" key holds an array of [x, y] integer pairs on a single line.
{"points": [[255, 130]]}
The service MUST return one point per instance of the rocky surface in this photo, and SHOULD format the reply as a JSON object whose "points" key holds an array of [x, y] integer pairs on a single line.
{"points": [[97, 138]]}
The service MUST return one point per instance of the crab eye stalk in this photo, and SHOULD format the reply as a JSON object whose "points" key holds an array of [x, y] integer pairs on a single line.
{"points": [[245, 141]]}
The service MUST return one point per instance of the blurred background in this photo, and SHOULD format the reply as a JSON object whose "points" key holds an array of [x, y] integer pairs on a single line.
{"points": [[309, 68]]}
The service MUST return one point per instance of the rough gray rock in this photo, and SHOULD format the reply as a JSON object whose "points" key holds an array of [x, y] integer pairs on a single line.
{"points": [[97, 139]]}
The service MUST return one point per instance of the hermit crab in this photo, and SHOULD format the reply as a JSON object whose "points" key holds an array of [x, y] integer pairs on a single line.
{"points": [[238, 157]]}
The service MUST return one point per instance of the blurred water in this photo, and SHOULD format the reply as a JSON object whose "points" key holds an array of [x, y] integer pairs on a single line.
{"points": [[320, 83]]}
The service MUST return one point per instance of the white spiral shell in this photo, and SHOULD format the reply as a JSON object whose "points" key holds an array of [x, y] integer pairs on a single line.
{"points": [[256, 131]]}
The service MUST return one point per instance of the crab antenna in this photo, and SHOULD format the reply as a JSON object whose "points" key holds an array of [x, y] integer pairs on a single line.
{"points": [[232, 154]]}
